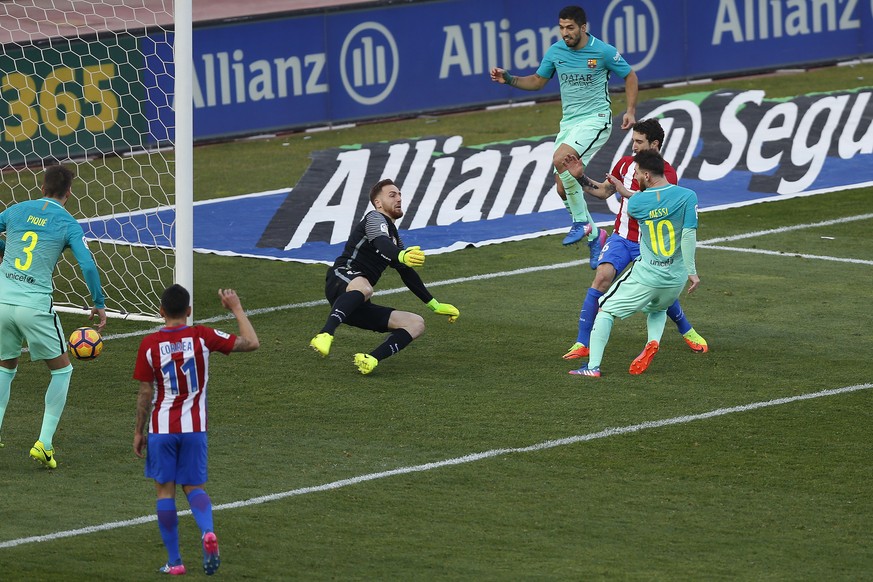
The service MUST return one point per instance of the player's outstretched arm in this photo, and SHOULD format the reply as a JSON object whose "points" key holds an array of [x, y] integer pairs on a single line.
{"points": [[602, 190], [528, 83], [247, 339], [619, 186]]}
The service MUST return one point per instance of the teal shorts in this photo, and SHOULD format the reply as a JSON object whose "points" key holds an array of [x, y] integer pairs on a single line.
{"points": [[586, 136], [627, 296], [41, 329]]}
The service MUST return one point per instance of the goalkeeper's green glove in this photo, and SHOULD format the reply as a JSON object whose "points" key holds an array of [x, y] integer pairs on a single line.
{"points": [[444, 309], [411, 257]]}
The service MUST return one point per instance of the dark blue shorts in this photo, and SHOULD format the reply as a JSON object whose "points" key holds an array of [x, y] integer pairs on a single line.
{"points": [[180, 458], [619, 252]]}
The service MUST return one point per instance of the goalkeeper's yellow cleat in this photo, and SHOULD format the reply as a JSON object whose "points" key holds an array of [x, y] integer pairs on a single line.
{"points": [[695, 341], [365, 363], [46, 457], [321, 343], [578, 350]]}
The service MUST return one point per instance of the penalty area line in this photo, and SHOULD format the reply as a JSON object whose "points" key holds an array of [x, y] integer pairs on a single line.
{"points": [[473, 457]]}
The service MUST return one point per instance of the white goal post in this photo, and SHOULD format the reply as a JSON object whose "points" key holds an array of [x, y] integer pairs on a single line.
{"points": [[104, 87]]}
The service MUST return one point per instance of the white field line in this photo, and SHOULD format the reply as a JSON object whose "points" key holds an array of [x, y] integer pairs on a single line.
{"points": [[786, 229], [471, 458], [785, 254], [708, 244]]}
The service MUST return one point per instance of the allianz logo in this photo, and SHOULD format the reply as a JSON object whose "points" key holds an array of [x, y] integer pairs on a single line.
{"points": [[369, 63], [632, 27]]}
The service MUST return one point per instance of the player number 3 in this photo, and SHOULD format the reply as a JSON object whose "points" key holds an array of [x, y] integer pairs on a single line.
{"points": [[33, 237]]}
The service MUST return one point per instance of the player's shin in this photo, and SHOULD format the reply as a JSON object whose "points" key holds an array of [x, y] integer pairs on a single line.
{"points": [[655, 325], [395, 342], [599, 338], [6, 377], [55, 400], [587, 315]]}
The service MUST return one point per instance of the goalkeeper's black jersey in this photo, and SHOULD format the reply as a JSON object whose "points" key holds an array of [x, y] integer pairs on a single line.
{"points": [[372, 247]]}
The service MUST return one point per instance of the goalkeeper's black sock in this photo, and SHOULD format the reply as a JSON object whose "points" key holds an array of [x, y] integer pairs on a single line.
{"points": [[398, 340], [342, 308]]}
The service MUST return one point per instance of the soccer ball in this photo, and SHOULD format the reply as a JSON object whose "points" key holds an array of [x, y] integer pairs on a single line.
{"points": [[85, 343]]}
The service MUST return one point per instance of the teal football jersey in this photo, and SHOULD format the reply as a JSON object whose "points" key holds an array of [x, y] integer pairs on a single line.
{"points": [[662, 213], [584, 77], [37, 233]]}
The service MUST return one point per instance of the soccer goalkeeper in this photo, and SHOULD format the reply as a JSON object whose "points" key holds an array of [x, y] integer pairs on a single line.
{"points": [[374, 246]]}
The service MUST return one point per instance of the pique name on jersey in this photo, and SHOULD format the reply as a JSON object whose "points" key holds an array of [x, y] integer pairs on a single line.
{"points": [[37, 220]]}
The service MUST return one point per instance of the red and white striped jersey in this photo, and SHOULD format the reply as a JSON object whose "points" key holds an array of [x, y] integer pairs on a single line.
{"points": [[176, 361], [626, 226]]}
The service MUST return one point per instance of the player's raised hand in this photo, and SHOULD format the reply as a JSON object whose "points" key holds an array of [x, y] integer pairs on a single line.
{"points": [[229, 299], [499, 75], [412, 257]]}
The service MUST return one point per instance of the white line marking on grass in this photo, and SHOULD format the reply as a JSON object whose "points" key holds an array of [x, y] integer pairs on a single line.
{"points": [[786, 254], [786, 229], [395, 290], [708, 244], [607, 432]]}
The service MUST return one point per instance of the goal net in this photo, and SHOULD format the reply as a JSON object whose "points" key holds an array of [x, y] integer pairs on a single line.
{"points": [[89, 83]]}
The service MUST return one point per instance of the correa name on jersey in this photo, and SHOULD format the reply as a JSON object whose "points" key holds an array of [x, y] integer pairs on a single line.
{"points": [[185, 345]]}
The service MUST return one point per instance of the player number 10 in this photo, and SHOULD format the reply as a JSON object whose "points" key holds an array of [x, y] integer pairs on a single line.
{"points": [[663, 237]]}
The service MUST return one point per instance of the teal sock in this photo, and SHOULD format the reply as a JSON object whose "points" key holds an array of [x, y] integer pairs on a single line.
{"points": [[575, 201], [55, 400], [599, 338], [6, 376], [655, 325]]}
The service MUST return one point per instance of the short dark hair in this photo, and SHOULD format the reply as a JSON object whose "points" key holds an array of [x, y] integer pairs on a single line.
{"points": [[574, 13], [377, 187], [175, 301], [57, 181], [650, 161], [652, 129]]}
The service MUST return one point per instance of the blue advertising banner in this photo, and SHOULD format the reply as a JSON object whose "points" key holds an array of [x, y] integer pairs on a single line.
{"points": [[731, 147], [403, 59]]}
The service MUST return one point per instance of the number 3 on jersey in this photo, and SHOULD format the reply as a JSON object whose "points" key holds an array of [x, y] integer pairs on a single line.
{"points": [[30, 237], [663, 237]]}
